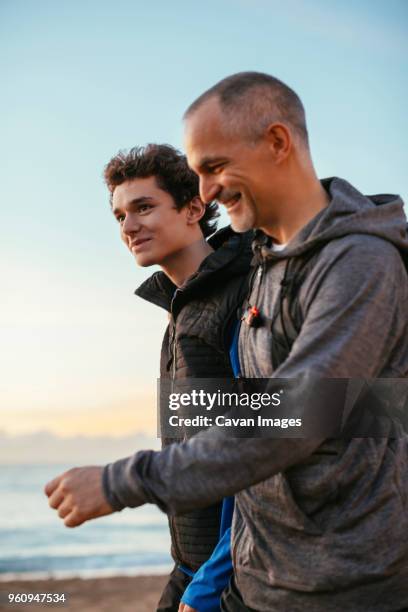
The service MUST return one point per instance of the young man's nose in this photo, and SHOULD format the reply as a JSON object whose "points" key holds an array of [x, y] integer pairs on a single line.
{"points": [[209, 189], [130, 225]]}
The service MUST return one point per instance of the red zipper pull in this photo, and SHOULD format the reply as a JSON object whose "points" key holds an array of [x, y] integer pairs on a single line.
{"points": [[252, 316]]}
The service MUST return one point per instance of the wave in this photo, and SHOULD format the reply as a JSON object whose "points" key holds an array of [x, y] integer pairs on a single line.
{"points": [[75, 550], [85, 574], [77, 563]]}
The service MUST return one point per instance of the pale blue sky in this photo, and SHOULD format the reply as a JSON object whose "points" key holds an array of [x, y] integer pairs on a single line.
{"points": [[83, 78]]}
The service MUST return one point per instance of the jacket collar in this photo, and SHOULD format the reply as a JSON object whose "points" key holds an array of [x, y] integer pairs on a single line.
{"points": [[231, 257]]}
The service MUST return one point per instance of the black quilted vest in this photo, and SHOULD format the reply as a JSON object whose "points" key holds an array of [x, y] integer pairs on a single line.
{"points": [[196, 344]]}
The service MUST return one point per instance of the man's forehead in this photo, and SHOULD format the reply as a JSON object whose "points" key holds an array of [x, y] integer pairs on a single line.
{"points": [[204, 134], [207, 114]]}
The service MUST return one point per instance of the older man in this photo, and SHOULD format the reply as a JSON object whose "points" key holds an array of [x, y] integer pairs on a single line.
{"points": [[320, 524]]}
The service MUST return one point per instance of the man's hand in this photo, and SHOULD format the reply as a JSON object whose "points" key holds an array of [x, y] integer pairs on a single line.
{"points": [[78, 495], [186, 608]]}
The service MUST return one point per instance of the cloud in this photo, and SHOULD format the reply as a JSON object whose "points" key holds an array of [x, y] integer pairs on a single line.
{"points": [[44, 447]]}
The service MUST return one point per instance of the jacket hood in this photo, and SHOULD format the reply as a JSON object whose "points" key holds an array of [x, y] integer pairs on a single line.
{"points": [[349, 212], [231, 257]]}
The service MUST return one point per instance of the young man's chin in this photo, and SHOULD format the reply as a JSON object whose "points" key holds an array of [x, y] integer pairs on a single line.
{"points": [[144, 260]]}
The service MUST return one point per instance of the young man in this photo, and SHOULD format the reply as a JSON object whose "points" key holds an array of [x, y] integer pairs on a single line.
{"points": [[320, 523], [162, 221]]}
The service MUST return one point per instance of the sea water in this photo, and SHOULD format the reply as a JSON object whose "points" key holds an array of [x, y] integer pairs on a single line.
{"points": [[35, 543]]}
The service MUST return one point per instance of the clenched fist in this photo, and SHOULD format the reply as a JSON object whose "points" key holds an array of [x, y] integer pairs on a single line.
{"points": [[78, 496]]}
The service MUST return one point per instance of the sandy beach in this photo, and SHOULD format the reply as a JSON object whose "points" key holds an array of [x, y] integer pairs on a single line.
{"points": [[118, 594]]}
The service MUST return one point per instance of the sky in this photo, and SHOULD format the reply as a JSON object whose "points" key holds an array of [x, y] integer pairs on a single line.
{"points": [[85, 78]]}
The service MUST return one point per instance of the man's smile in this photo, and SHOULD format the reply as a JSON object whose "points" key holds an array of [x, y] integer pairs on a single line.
{"points": [[231, 202]]}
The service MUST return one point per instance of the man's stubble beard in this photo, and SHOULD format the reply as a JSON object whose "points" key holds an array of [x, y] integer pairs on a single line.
{"points": [[245, 221]]}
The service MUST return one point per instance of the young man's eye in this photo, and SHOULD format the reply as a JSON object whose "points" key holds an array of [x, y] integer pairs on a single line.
{"points": [[144, 208], [120, 218]]}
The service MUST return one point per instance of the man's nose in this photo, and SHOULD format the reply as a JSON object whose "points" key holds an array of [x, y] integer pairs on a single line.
{"points": [[130, 225], [209, 188]]}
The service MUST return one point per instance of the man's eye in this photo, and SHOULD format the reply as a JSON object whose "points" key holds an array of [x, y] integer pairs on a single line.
{"points": [[215, 169], [144, 208], [120, 218]]}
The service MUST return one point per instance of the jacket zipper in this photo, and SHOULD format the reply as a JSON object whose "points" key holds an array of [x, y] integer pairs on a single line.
{"points": [[173, 351], [173, 347]]}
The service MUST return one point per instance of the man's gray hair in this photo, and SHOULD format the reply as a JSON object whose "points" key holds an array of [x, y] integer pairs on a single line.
{"points": [[250, 101]]}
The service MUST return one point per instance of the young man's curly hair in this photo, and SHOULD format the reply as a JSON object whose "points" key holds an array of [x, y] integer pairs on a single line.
{"points": [[169, 167]]}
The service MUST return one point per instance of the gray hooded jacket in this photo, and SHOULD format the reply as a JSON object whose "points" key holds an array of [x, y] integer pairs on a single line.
{"points": [[319, 525]]}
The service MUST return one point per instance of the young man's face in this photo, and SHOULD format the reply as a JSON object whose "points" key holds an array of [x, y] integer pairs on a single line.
{"points": [[150, 225]]}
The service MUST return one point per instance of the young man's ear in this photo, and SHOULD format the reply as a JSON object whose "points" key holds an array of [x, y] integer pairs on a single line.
{"points": [[195, 210]]}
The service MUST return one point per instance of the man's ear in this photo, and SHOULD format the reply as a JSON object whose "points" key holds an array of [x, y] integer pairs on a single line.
{"points": [[195, 210], [279, 140]]}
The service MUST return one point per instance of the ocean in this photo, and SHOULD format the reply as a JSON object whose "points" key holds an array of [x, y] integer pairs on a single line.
{"points": [[35, 544]]}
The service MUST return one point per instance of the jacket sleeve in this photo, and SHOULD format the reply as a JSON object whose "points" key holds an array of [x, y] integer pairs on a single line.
{"points": [[204, 591], [354, 321], [200, 472]]}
